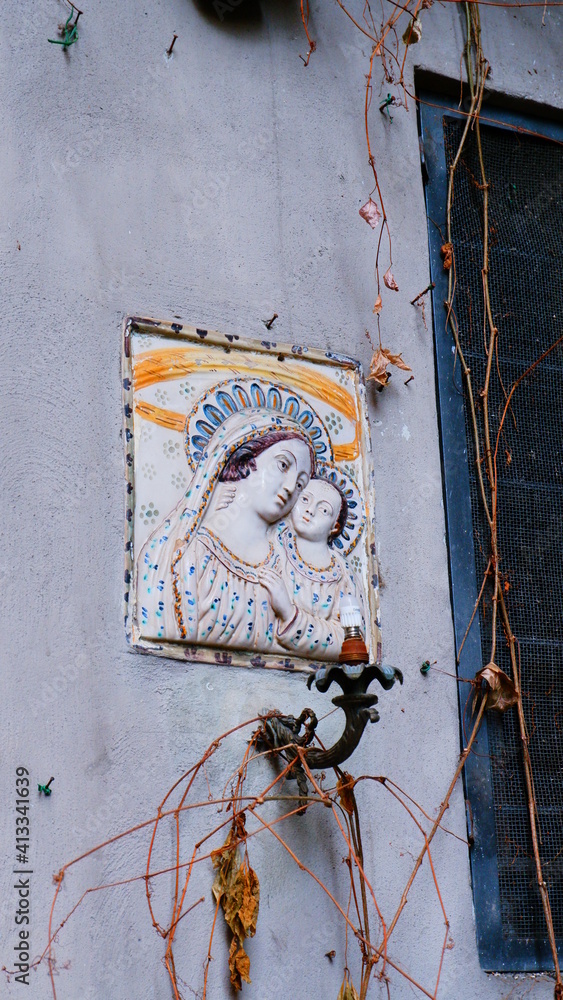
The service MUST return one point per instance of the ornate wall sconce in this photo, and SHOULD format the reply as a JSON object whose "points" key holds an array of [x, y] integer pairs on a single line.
{"points": [[354, 674]]}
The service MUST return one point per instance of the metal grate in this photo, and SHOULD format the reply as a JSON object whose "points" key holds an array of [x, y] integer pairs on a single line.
{"points": [[526, 283]]}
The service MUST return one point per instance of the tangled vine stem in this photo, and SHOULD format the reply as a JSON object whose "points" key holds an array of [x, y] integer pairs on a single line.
{"points": [[341, 800], [386, 47], [362, 915], [486, 451]]}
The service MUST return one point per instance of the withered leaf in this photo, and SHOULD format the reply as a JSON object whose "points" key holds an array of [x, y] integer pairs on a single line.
{"points": [[239, 964], [370, 212], [378, 305], [378, 367], [413, 32], [345, 789], [447, 252], [237, 889], [347, 991], [499, 693], [390, 282]]}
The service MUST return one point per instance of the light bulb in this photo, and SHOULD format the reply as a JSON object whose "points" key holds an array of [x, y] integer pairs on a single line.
{"points": [[350, 612]]}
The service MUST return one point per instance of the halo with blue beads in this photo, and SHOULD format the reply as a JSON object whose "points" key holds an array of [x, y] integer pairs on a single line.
{"points": [[234, 395]]}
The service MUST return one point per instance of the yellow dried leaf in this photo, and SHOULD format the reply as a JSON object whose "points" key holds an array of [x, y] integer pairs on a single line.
{"points": [[390, 281], [397, 360], [237, 889], [345, 789], [378, 368], [239, 965], [347, 991], [499, 693], [248, 911], [378, 305]]}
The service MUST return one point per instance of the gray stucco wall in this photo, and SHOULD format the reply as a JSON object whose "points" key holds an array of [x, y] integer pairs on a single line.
{"points": [[220, 186]]}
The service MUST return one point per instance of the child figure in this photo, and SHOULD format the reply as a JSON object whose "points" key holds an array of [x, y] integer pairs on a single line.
{"points": [[314, 578]]}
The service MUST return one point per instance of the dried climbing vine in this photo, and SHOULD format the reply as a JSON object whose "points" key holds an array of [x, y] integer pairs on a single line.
{"points": [[486, 445], [392, 39], [508, 692], [235, 888], [224, 847]]}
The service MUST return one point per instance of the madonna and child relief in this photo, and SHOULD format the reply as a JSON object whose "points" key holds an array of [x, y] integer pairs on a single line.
{"points": [[250, 494]]}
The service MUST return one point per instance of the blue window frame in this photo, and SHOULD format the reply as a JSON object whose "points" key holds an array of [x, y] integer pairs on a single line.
{"points": [[509, 921]]}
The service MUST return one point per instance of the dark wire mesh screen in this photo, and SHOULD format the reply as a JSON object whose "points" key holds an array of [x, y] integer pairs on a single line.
{"points": [[526, 287]]}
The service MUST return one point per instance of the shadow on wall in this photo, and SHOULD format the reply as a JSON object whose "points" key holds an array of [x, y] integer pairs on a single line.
{"points": [[231, 13]]}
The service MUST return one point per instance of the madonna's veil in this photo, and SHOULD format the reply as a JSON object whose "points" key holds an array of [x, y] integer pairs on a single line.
{"points": [[160, 610]]}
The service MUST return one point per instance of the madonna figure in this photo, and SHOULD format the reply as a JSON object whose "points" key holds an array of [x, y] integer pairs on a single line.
{"points": [[199, 572]]}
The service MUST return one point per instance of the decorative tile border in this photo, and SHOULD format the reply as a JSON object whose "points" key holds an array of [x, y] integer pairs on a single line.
{"points": [[280, 352]]}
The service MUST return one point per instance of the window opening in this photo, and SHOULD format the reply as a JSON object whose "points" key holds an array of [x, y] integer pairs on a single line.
{"points": [[526, 284]]}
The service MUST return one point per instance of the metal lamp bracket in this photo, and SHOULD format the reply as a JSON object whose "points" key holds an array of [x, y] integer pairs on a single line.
{"points": [[284, 732]]}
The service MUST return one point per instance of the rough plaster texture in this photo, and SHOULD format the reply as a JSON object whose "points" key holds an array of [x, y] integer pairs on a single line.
{"points": [[219, 186]]}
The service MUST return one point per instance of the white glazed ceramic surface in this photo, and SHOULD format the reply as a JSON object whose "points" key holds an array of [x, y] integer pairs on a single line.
{"points": [[199, 549]]}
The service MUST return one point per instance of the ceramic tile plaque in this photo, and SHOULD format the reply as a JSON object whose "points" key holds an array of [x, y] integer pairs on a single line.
{"points": [[249, 498]]}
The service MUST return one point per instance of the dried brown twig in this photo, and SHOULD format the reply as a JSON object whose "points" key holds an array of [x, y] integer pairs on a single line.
{"points": [[486, 451], [362, 912], [345, 812]]}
